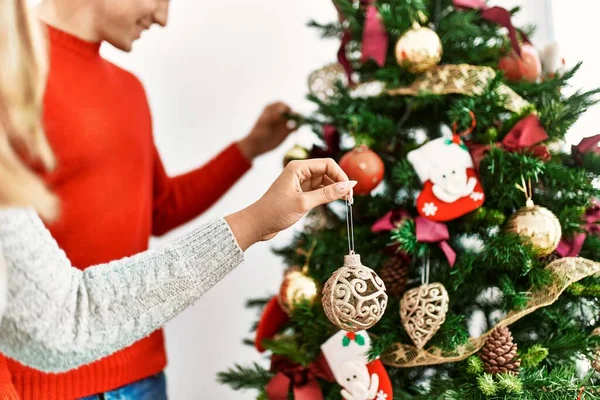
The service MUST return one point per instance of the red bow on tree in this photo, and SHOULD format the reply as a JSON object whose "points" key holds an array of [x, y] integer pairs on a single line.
{"points": [[302, 380], [496, 15], [587, 145], [591, 225], [331, 137], [429, 231], [524, 136], [375, 39]]}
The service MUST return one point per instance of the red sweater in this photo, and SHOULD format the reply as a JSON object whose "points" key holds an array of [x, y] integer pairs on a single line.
{"points": [[114, 195]]}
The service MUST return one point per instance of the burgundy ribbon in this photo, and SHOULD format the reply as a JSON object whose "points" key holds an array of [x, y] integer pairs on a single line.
{"points": [[587, 145], [302, 380], [389, 221], [524, 136], [331, 136], [591, 225], [496, 15], [375, 38], [429, 231]]}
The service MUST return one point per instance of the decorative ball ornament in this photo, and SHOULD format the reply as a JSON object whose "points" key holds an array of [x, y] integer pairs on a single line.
{"points": [[419, 49], [365, 166], [354, 297], [321, 83], [526, 67], [295, 153], [538, 225], [295, 287]]}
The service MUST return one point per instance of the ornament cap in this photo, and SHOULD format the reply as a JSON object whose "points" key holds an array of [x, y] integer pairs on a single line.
{"points": [[352, 261]]}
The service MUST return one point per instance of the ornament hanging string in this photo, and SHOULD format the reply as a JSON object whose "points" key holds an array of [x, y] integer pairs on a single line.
{"points": [[350, 222], [425, 269], [527, 190], [469, 130]]}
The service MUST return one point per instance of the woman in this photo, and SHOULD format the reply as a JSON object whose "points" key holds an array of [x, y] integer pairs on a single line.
{"points": [[58, 317]]}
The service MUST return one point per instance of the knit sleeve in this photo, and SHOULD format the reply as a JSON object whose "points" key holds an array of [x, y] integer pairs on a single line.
{"points": [[58, 317], [179, 199]]}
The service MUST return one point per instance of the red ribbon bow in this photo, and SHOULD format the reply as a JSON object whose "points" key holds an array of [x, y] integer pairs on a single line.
{"points": [[331, 136], [587, 145], [302, 380], [389, 221], [429, 231], [525, 135], [591, 225], [497, 15], [375, 40]]}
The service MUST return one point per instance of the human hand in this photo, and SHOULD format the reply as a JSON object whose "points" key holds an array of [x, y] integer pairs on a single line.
{"points": [[270, 130], [301, 186]]}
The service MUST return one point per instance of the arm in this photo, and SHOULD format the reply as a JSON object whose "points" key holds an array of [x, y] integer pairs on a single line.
{"points": [[182, 198], [59, 317]]}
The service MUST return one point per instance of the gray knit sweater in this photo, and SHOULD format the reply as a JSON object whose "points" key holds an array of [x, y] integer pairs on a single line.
{"points": [[58, 317]]}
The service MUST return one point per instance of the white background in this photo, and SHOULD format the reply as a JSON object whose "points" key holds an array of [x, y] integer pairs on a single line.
{"points": [[207, 76]]}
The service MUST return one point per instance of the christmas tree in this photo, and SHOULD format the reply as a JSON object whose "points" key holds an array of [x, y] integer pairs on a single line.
{"points": [[470, 210]]}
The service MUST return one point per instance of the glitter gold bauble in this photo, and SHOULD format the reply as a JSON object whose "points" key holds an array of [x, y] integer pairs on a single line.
{"points": [[295, 153], [419, 49], [423, 311], [321, 83], [354, 297], [539, 226], [295, 287]]}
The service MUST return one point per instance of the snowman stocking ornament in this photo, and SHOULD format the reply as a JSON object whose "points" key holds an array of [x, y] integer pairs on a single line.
{"points": [[346, 355], [451, 187]]}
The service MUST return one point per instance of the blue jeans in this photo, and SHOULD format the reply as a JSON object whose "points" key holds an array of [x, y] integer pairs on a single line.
{"points": [[152, 388]]}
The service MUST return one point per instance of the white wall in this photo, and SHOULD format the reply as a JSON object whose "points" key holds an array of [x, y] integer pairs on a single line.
{"points": [[208, 75]]}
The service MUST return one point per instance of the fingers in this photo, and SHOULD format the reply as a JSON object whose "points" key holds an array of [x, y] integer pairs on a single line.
{"points": [[309, 170], [327, 194]]}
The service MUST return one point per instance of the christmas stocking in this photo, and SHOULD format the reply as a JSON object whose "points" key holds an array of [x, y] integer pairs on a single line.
{"points": [[346, 354], [451, 187], [271, 321]]}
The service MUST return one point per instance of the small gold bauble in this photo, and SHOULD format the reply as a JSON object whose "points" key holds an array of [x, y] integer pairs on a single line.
{"points": [[295, 287], [354, 297], [538, 225], [321, 83], [419, 49], [295, 153]]}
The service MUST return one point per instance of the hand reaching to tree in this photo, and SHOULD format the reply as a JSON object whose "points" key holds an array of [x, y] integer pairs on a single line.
{"points": [[270, 130], [301, 186]]}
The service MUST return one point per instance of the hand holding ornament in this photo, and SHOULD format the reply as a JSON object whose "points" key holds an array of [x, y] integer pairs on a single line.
{"points": [[301, 186]]}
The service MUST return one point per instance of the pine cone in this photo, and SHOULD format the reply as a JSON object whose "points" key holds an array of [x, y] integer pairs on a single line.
{"points": [[499, 354], [394, 274]]}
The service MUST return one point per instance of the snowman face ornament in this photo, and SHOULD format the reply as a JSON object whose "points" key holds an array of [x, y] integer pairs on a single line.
{"points": [[451, 187], [356, 382]]}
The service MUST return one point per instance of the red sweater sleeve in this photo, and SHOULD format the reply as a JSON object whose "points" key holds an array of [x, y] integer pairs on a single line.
{"points": [[179, 199]]}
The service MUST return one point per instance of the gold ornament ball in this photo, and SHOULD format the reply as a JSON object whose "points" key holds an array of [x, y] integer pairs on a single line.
{"points": [[295, 287], [295, 153], [419, 49], [538, 225], [354, 297], [321, 83]]}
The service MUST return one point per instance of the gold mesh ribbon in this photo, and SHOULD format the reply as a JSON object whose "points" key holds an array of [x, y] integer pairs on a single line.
{"points": [[565, 272], [463, 79]]}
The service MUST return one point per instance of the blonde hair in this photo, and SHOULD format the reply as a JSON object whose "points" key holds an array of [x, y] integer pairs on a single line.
{"points": [[23, 144]]}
